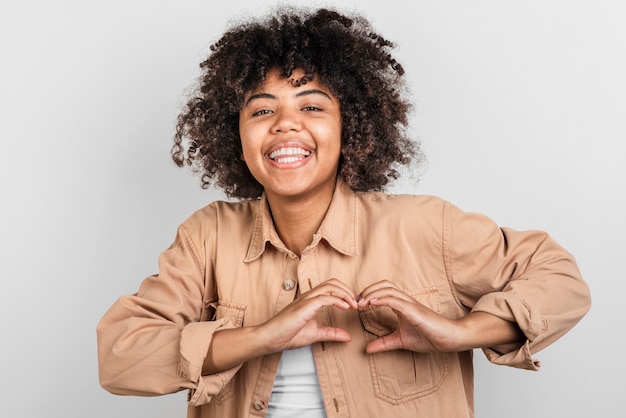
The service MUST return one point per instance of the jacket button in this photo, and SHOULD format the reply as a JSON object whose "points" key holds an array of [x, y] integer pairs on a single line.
{"points": [[288, 285], [259, 405]]}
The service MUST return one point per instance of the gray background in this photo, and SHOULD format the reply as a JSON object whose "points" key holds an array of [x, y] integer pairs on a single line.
{"points": [[520, 106]]}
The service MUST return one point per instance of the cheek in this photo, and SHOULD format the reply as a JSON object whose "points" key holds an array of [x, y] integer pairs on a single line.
{"points": [[250, 154], [247, 142], [334, 135]]}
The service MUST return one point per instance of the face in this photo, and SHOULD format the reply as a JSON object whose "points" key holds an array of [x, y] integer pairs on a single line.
{"points": [[291, 136]]}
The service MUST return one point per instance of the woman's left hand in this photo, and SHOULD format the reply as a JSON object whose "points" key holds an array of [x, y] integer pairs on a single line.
{"points": [[423, 330]]}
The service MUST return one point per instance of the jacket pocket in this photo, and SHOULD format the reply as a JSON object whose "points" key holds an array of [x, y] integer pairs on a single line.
{"points": [[235, 313], [401, 376]]}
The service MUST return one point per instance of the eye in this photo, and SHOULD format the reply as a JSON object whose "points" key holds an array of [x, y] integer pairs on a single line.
{"points": [[261, 112], [311, 109]]}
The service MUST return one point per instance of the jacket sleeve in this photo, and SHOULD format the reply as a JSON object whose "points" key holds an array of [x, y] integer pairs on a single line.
{"points": [[524, 277], [155, 341]]}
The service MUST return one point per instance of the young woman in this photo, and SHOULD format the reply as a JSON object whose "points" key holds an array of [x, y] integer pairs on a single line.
{"points": [[317, 294]]}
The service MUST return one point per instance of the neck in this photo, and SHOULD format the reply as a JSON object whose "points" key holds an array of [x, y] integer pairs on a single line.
{"points": [[297, 219]]}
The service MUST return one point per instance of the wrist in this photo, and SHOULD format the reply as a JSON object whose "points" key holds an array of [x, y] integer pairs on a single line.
{"points": [[482, 330]]}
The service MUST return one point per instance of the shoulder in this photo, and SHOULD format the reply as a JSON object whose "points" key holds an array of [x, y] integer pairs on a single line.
{"points": [[402, 214], [221, 214], [391, 203]]}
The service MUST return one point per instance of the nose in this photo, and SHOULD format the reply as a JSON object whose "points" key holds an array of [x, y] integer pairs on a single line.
{"points": [[286, 120]]}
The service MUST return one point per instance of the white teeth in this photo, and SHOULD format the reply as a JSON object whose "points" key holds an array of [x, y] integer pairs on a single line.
{"points": [[287, 160], [289, 154]]}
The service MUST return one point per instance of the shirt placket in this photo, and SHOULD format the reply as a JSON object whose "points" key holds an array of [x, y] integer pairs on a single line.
{"points": [[269, 365], [327, 367]]}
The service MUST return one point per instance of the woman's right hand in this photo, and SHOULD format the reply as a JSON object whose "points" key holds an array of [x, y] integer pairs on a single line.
{"points": [[294, 327], [297, 326]]}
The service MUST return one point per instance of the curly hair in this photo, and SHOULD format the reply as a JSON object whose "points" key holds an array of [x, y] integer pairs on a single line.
{"points": [[350, 59]]}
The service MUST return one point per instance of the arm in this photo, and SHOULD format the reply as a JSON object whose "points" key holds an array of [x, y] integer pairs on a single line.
{"points": [[163, 339], [139, 336], [524, 277], [521, 290]]}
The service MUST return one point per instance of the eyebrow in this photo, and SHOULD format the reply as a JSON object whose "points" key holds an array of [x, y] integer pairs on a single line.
{"points": [[299, 94]]}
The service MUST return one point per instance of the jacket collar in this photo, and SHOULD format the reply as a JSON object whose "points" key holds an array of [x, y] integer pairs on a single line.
{"points": [[339, 227]]}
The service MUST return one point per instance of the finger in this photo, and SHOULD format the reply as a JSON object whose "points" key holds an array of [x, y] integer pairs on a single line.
{"points": [[333, 334], [336, 283], [403, 306], [388, 343], [317, 302], [377, 288], [334, 288], [371, 296], [383, 284]]}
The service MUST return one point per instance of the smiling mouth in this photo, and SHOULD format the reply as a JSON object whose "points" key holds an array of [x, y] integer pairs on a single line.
{"points": [[288, 155]]}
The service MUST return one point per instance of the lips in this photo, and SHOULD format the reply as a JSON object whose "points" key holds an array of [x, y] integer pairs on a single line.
{"points": [[287, 155]]}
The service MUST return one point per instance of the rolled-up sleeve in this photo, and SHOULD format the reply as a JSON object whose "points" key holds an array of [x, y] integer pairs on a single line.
{"points": [[524, 277], [194, 342], [155, 341]]}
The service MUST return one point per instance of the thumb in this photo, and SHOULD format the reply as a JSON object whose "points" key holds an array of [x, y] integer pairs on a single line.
{"points": [[387, 343], [333, 334]]}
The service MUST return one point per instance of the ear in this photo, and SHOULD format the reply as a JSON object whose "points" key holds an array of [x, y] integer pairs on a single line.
{"points": [[241, 157]]}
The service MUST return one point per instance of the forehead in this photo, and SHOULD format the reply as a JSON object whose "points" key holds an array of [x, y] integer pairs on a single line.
{"points": [[298, 79]]}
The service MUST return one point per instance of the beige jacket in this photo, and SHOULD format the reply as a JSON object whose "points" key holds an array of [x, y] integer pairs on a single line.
{"points": [[228, 268]]}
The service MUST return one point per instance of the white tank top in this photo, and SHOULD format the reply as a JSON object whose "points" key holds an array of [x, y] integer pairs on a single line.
{"points": [[296, 391]]}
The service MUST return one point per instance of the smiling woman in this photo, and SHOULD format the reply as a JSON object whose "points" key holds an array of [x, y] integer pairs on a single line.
{"points": [[341, 55], [290, 133], [291, 141], [317, 294]]}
